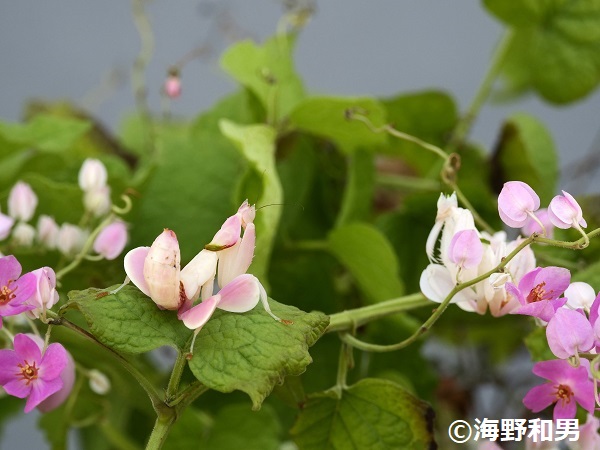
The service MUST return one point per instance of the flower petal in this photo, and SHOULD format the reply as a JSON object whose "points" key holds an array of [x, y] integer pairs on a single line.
{"points": [[134, 268], [540, 397], [17, 388], [54, 361], [194, 318], [235, 260], [197, 273], [10, 269], [240, 295], [27, 349], [8, 365], [41, 390]]}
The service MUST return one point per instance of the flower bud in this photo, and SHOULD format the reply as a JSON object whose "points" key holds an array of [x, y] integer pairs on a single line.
{"points": [[23, 234], [22, 202], [97, 201], [45, 296], [565, 212], [99, 383], [6, 223], [532, 226], [516, 202], [71, 239], [92, 175], [172, 85], [580, 295], [162, 271], [47, 231], [111, 241]]}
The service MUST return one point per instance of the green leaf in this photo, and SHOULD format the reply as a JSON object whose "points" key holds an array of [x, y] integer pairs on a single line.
{"points": [[428, 115], [129, 321], [358, 194], [370, 258], [555, 47], [254, 430], [326, 117], [590, 275], [257, 144], [252, 352], [268, 71], [526, 152], [374, 414], [45, 132]]}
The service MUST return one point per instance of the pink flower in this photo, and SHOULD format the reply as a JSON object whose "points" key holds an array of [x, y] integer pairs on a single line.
{"points": [[6, 223], [539, 292], [566, 386], [569, 332], [14, 291], [589, 439], [47, 231], [466, 249], [533, 226], [580, 295], [25, 372], [565, 212], [516, 203], [22, 201], [111, 241]]}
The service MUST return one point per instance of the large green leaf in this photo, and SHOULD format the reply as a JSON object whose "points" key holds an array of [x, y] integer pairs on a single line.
{"points": [[374, 414], [268, 71], [257, 144], [326, 117], [252, 352], [555, 47], [360, 184], [45, 132], [370, 258], [129, 321], [526, 152]]}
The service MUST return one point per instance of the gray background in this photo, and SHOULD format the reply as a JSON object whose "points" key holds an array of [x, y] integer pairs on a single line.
{"points": [[83, 51]]}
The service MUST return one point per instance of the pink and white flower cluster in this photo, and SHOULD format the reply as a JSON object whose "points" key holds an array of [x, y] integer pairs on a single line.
{"points": [[465, 253], [157, 272]]}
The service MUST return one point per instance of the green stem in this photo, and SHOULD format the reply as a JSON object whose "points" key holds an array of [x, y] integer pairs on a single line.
{"points": [[354, 318], [160, 432], [465, 201], [188, 396], [153, 393], [462, 128], [175, 378], [409, 183]]}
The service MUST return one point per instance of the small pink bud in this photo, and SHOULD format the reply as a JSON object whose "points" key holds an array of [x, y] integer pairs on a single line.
{"points": [[92, 175], [466, 250], [532, 226], [569, 332], [71, 239], [47, 231], [162, 271], [45, 296], [23, 234], [97, 201], [22, 202], [516, 203], [111, 241], [565, 212], [172, 86], [6, 224]]}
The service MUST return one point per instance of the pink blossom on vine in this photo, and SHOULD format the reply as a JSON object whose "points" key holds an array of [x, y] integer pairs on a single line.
{"points": [[589, 439], [6, 224], [565, 212], [516, 203], [569, 332], [172, 86], [45, 295], [47, 231], [466, 249], [111, 240], [566, 386], [580, 295], [14, 289], [539, 292], [26, 372], [532, 226], [92, 175]]}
